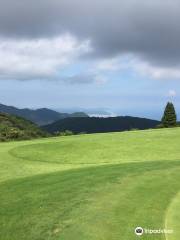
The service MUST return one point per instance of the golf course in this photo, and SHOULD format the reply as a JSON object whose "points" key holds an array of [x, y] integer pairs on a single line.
{"points": [[91, 186]]}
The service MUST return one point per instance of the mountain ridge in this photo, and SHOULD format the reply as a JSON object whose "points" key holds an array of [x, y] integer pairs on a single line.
{"points": [[100, 125], [41, 116]]}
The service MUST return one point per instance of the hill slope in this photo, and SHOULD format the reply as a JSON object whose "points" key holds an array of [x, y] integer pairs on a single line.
{"points": [[98, 125], [13, 127], [40, 116], [91, 187]]}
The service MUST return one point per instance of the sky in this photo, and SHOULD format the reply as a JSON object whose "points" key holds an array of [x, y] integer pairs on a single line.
{"points": [[122, 57]]}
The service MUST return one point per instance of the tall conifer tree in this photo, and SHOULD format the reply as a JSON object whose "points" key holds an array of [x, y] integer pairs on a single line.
{"points": [[169, 118]]}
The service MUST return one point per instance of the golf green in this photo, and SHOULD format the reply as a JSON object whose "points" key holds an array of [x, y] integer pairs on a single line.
{"points": [[91, 187]]}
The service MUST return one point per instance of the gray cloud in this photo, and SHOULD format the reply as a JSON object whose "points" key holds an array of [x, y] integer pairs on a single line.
{"points": [[79, 79], [148, 29], [87, 78]]}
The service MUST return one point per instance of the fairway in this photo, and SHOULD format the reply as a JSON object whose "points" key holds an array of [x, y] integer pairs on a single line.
{"points": [[91, 187]]}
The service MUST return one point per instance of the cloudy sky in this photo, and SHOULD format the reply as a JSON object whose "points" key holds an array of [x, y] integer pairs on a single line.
{"points": [[123, 56]]}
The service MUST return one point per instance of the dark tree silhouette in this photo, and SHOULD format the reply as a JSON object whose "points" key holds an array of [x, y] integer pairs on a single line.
{"points": [[169, 118]]}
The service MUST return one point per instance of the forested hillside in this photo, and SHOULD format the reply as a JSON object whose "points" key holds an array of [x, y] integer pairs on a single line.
{"points": [[17, 128], [98, 125]]}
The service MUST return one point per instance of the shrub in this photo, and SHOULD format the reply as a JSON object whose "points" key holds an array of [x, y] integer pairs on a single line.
{"points": [[65, 133]]}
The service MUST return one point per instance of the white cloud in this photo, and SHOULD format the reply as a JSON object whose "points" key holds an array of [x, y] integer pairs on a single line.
{"points": [[155, 72], [44, 58], [111, 64], [100, 68], [172, 93], [39, 59], [131, 63]]}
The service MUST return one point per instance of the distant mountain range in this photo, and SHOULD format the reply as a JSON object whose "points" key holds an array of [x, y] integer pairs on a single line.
{"points": [[42, 116], [100, 125]]}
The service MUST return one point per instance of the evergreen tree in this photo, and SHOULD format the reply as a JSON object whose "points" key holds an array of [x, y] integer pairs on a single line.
{"points": [[169, 118]]}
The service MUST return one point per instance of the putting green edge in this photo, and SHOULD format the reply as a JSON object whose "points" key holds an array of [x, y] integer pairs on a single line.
{"points": [[172, 220]]}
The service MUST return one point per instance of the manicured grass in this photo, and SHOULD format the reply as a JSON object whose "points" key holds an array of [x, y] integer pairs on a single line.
{"points": [[173, 218], [105, 148], [90, 187]]}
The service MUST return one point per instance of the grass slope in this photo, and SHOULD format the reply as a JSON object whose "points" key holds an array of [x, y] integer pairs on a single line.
{"points": [[94, 187], [173, 218]]}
